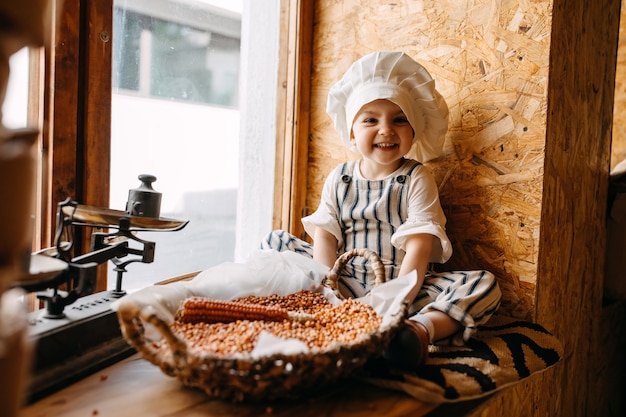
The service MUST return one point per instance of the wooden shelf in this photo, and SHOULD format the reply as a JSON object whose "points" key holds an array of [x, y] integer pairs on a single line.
{"points": [[134, 387]]}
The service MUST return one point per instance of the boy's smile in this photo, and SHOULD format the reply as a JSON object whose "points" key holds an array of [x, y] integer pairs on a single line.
{"points": [[385, 145]]}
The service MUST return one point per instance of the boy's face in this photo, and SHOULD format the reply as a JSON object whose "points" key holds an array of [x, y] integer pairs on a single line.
{"points": [[381, 132]]}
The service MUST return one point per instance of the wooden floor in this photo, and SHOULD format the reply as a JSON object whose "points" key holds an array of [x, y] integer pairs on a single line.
{"points": [[134, 387]]}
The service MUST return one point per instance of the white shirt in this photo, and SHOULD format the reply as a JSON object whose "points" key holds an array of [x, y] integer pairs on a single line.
{"points": [[381, 214]]}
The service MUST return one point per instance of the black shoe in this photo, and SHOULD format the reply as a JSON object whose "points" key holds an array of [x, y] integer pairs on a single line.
{"points": [[409, 347]]}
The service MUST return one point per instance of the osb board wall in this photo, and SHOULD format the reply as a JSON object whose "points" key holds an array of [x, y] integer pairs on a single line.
{"points": [[490, 62], [618, 145]]}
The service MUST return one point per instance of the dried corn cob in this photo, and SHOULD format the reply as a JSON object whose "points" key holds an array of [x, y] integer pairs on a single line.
{"points": [[202, 309]]}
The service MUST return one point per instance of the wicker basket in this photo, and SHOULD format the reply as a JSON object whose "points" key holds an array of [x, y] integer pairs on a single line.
{"points": [[267, 378]]}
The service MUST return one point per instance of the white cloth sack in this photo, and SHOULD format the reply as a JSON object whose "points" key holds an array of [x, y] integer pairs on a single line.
{"points": [[267, 272]]}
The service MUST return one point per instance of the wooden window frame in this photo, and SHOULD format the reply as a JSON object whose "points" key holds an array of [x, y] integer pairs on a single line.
{"points": [[293, 111], [76, 140]]}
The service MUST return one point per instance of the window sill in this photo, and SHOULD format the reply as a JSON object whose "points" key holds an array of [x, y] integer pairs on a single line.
{"points": [[134, 387]]}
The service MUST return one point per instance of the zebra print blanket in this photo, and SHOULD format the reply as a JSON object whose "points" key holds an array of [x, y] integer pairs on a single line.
{"points": [[501, 353]]}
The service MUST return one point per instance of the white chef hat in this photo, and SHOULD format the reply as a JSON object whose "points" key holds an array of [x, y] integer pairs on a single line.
{"points": [[396, 77]]}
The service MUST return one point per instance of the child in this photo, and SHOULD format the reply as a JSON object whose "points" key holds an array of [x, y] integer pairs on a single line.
{"points": [[386, 108]]}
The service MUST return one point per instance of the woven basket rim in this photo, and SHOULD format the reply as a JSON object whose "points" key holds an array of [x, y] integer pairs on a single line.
{"points": [[276, 375]]}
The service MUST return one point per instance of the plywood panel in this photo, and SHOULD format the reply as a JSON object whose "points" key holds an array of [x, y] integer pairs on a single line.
{"points": [[490, 61]]}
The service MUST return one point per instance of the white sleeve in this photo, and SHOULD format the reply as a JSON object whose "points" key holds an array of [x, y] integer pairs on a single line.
{"points": [[425, 215], [327, 214]]}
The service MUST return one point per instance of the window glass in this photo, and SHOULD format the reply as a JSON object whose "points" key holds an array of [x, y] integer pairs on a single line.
{"points": [[176, 60], [175, 116], [15, 105]]}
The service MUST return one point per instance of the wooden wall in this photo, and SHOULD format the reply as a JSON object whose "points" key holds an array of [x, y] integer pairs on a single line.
{"points": [[524, 175], [572, 240], [618, 150]]}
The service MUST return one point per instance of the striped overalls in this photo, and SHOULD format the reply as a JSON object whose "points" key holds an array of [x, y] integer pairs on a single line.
{"points": [[371, 214]]}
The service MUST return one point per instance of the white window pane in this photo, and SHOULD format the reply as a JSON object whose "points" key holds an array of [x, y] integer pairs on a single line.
{"points": [[15, 106], [175, 115]]}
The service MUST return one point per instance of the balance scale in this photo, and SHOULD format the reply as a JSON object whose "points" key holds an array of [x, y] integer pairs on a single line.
{"points": [[77, 333]]}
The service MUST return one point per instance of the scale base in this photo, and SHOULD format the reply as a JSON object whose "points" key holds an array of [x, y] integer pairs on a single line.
{"points": [[88, 338]]}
